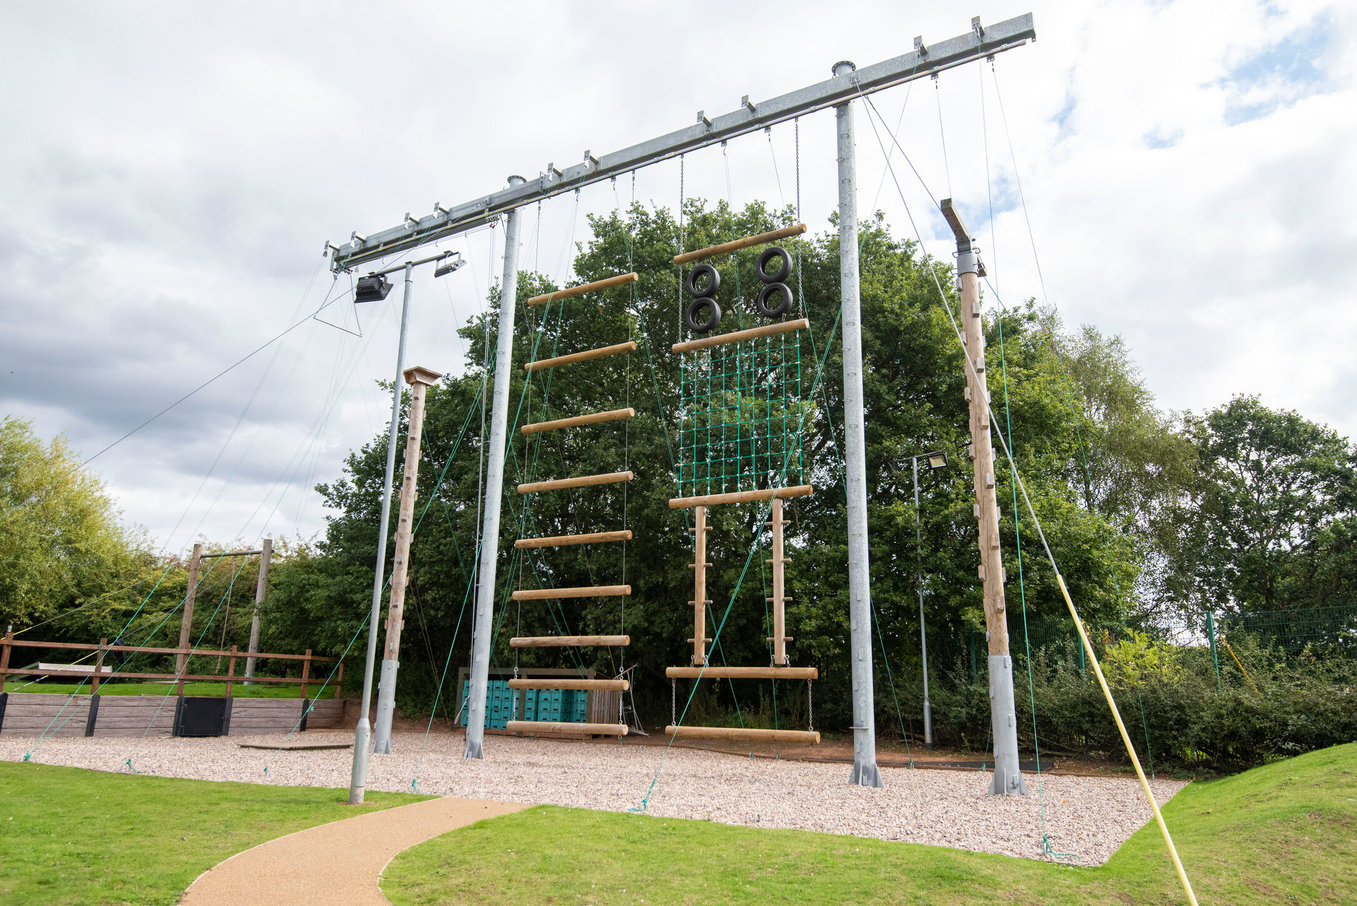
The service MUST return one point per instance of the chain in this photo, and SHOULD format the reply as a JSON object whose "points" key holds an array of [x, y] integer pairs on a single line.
{"points": [[673, 703], [810, 705]]}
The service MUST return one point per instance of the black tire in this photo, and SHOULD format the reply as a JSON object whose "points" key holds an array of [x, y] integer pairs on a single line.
{"points": [[708, 324], [764, 302], [779, 254], [700, 273]]}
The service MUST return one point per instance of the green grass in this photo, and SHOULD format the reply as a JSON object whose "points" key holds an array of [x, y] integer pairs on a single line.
{"points": [[71, 836], [1286, 832], [212, 690]]}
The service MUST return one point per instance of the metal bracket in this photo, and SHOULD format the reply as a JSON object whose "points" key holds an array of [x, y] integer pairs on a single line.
{"points": [[747, 104], [704, 119], [919, 47]]}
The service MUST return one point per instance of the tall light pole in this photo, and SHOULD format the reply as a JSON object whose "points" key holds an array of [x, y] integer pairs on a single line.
{"points": [[373, 288], [936, 462]]}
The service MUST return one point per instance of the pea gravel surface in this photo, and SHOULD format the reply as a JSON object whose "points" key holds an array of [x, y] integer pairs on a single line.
{"points": [[1085, 818]]}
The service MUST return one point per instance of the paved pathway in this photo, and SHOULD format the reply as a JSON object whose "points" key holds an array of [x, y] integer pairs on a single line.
{"points": [[339, 862]]}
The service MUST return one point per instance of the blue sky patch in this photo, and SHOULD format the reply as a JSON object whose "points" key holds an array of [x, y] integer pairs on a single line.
{"points": [[1278, 75]]}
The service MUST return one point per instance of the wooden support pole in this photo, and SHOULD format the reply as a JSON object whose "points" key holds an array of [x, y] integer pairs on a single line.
{"points": [[186, 624], [801, 490], [575, 421], [797, 673], [582, 481], [608, 685], [700, 588], [568, 540], [562, 641], [231, 670], [586, 356], [571, 292], [4, 657], [561, 728], [585, 591], [98, 667], [306, 673], [736, 244], [779, 588], [736, 336], [260, 591], [746, 733]]}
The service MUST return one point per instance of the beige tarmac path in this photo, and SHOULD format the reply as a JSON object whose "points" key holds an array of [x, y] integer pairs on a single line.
{"points": [[338, 862]]}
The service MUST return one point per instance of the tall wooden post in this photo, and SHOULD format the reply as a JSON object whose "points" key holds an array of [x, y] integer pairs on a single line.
{"points": [[1003, 715], [260, 589], [700, 587], [186, 627], [779, 587], [418, 378]]}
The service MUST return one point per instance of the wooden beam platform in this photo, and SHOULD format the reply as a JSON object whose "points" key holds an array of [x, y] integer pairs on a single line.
{"points": [[562, 641], [801, 490], [585, 356], [565, 728], [736, 244], [747, 733], [736, 336], [582, 481], [585, 591], [607, 685], [575, 421], [571, 291], [568, 540], [717, 672]]}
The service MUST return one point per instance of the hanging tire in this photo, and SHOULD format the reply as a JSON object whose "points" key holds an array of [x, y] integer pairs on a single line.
{"points": [[765, 304], [784, 265], [694, 311], [704, 281]]}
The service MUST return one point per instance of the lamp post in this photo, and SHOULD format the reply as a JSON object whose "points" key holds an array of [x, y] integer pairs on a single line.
{"points": [[936, 462]]}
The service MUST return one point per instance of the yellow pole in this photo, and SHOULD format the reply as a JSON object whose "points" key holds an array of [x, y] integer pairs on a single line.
{"points": [[1126, 740]]}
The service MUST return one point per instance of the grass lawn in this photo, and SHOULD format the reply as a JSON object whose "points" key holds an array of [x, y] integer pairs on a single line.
{"points": [[1282, 833], [212, 690], [71, 836]]}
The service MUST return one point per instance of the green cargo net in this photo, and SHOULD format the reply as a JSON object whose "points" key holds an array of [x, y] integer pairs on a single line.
{"points": [[740, 416]]}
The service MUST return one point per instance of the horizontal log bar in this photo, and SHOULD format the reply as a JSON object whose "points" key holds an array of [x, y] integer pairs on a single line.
{"points": [[135, 649], [575, 421], [800, 490], [738, 336], [742, 672], [547, 726], [749, 733], [169, 678], [736, 244], [560, 641], [567, 540], [584, 591], [582, 481], [611, 685], [571, 291], [587, 355]]}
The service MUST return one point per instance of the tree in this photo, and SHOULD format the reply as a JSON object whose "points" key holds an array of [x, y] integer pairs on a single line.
{"points": [[1269, 519], [60, 540]]}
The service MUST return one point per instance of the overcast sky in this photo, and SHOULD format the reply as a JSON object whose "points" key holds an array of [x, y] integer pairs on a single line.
{"points": [[170, 173]]}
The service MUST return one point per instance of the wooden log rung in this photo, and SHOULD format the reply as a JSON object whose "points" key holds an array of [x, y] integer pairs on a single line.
{"points": [[798, 673], [736, 336], [576, 421], [609, 685], [562, 641], [801, 490], [572, 291], [585, 356], [567, 540], [546, 726], [583, 591], [581, 481], [735, 245], [747, 733]]}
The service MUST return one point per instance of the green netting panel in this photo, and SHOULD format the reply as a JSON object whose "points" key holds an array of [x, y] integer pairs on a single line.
{"points": [[740, 416]]}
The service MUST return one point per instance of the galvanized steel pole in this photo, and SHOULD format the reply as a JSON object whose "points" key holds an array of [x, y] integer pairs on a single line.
{"points": [[494, 490], [919, 585], [865, 771], [363, 735]]}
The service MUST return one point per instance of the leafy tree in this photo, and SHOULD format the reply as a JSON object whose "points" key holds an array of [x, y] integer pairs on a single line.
{"points": [[60, 540]]}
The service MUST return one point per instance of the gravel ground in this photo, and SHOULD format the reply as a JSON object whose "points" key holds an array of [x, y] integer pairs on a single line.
{"points": [[1085, 817]]}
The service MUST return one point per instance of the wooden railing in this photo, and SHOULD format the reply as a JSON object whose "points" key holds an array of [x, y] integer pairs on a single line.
{"points": [[98, 672]]}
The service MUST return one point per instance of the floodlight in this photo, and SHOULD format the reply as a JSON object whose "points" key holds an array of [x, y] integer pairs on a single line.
{"points": [[372, 288], [937, 461], [448, 263]]}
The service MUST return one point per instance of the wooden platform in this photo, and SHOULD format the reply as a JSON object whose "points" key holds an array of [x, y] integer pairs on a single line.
{"points": [[716, 672], [564, 728]]}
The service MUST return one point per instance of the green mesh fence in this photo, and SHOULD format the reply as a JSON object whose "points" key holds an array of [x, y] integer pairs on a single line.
{"points": [[1332, 630], [740, 416]]}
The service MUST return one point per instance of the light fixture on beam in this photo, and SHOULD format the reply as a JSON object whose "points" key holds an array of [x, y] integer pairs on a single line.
{"points": [[448, 263], [372, 288], [937, 461]]}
